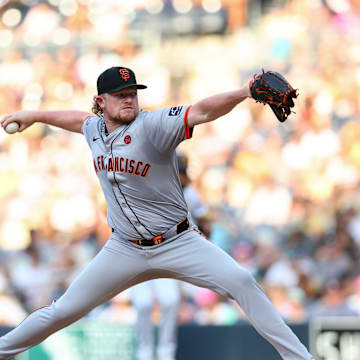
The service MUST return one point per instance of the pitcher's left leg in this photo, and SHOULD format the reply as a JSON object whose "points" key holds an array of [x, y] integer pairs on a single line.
{"points": [[202, 263]]}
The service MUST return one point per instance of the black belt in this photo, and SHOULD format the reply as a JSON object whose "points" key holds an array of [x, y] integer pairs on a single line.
{"points": [[181, 227]]}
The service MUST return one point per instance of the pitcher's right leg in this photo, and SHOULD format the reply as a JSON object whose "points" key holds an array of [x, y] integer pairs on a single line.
{"points": [[110, 272], [202, 263]]}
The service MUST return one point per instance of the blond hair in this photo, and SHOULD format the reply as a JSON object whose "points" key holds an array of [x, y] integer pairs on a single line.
{"points": [[96, 109]]}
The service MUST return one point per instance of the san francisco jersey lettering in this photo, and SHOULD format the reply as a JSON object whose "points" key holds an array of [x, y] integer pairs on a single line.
{"points": [[116, 164]]}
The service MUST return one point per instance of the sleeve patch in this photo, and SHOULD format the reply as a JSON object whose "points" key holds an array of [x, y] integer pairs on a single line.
{"points": [[175, 110]]}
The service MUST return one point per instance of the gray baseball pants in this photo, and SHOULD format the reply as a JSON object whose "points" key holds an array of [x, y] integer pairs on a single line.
{"points": [[121, 264]]}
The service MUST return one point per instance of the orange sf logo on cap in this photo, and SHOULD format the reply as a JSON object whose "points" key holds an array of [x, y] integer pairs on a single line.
{"points": [[124, 73]]}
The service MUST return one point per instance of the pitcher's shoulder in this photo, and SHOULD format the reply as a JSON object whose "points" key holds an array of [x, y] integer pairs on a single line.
{"points": [[91, 120]]}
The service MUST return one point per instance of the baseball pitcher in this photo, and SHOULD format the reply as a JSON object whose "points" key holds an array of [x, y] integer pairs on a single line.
{"points": [[134, 158]]}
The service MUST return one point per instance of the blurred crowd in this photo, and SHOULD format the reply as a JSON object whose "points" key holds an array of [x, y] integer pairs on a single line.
{"points": [[284, 199]]}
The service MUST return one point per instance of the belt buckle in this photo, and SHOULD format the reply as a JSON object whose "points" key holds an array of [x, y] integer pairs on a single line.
{"points": [[158, 239]]}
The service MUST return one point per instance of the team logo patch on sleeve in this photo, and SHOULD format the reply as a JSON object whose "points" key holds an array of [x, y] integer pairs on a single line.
{"points": [[175, 110]]}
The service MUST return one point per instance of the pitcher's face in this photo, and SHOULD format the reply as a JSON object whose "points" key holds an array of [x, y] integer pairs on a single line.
{"points": [[120, 107]]}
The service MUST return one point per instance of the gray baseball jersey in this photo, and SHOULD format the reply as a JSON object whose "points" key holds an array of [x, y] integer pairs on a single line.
{"points": [[139, 179]]}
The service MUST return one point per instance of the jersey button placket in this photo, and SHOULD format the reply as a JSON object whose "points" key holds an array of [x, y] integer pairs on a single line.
{"points": [[133, 219]]}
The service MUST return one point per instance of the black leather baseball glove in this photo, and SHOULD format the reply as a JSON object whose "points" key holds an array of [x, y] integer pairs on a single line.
{"points": [[273, 89]]}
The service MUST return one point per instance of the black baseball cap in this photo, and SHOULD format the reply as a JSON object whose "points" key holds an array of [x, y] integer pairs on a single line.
{"points": [[116, 78]]}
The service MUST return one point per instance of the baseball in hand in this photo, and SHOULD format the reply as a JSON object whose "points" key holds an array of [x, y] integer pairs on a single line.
{"points": [[12, 128]]}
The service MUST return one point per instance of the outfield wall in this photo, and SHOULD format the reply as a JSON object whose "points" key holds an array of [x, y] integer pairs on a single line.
{"points": [[90, 340], [330, 338]]}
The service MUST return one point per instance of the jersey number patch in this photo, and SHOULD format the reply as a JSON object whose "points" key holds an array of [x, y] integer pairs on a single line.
{"points": [[174, 111]]}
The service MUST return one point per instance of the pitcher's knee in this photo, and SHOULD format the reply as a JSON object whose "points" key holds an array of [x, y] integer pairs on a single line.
{"points": [[65, 315], [243, 278]]}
